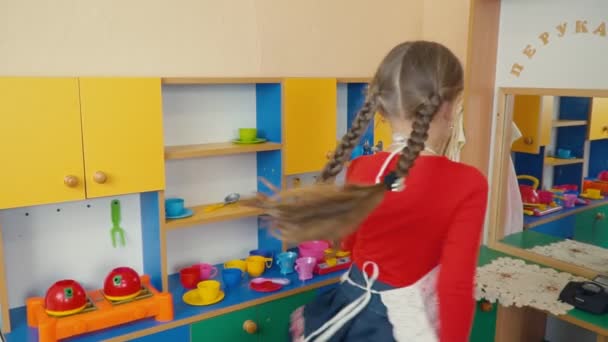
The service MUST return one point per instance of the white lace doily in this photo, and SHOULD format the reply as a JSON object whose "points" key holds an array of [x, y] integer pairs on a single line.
{"points": [[513, 282], [578, 253]]}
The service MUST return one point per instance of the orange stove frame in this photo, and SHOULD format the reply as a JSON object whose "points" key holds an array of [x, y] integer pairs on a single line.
{"points": [[107, 315]]}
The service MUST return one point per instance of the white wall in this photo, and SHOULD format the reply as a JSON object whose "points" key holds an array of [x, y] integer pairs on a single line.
{"points": [[575, 60], [44, 244]]}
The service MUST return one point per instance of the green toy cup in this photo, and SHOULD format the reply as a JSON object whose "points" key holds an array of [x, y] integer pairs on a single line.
{"points": [[247, 134]]}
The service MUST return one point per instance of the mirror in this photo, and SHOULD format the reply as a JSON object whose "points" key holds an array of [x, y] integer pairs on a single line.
{"points": [[549, 185]]}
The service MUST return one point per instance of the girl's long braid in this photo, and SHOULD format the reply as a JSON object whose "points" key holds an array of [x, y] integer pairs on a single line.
{"points": [[350, 139], [420, 132]]}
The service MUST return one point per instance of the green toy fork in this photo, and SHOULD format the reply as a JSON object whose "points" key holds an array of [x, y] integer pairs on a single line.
{"points": [[117, 232]]}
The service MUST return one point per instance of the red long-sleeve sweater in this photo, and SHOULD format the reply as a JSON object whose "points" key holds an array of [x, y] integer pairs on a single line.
{"points": [[436, 220]]}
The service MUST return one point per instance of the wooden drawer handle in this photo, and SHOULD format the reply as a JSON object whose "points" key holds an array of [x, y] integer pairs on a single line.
{"points": [[71, 181], [250, 327], [528, 141], [100, 177], [485, 306]]}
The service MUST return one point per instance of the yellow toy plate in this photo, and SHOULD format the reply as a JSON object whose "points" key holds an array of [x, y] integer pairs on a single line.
{"points": [[192, 298], [591, 198]]}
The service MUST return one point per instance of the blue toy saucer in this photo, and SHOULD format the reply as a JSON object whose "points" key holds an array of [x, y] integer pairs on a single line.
{"points": [[187, 213]]}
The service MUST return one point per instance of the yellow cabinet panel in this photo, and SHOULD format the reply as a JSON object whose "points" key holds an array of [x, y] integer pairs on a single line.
{"points": [[526, 114], [382, 131], [40, 141], [122, 134], [598, 129], [310, 111]]}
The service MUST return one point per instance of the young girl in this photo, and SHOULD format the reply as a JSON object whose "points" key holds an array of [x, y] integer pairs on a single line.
{"points": [[414, 217]]}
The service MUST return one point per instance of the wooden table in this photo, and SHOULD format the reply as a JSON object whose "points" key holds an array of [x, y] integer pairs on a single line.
{"points": [[528, 324]]}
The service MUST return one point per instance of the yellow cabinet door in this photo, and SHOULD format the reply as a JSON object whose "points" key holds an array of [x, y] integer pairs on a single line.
{"points": [[310, 114], [382, 131], [122, 135], [40, 142], [527, 117], [598, 128]]}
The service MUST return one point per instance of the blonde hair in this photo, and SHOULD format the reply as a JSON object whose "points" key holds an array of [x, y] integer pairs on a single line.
{"points": [[412, 82]]}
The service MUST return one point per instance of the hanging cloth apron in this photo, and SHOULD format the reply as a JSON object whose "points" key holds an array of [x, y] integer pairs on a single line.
{"points": [[411, 310]]}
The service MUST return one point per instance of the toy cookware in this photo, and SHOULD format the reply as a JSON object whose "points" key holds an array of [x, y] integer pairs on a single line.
{"points": [[305, 266], [286, 261], [529, 193], [122, 283], [65, 297], [315, 249]]}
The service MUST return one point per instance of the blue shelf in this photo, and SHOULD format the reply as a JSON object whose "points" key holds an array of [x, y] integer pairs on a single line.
{"points": [[182, 311]]}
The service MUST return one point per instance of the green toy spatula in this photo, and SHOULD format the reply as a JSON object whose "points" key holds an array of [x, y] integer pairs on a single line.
{"points": [[117, 232]]}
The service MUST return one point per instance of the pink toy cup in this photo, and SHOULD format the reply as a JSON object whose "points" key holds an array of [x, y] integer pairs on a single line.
{"points": [[207, 271], [304, 267], [315, 249], [570, 200]]}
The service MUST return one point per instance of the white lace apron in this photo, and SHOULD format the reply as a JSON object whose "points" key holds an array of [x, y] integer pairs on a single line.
{"points": [[412, 310]]}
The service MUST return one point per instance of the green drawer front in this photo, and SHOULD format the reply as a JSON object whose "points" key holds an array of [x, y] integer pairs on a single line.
{"points": [[592, 227], [228, 327], [484, 325], [274, 316]]}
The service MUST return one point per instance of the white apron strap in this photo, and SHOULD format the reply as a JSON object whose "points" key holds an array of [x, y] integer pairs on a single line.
{"points": [[327, 330]]}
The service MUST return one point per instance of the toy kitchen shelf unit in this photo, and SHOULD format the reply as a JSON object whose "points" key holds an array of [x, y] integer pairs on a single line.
{"points": [[296, 116], [564, 142]]}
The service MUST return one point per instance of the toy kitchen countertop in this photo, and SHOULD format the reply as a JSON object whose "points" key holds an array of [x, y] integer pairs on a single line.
{"points": [[184, 314]]}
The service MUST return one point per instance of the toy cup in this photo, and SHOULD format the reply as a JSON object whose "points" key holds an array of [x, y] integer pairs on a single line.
{"points": [[247, 134], [208, 290], [286, 261], [263, 253], [207, 271], [232, 277], [189, 277], [304, 267], [239, 264], [256, 265], [174, 206], [570, 200]]}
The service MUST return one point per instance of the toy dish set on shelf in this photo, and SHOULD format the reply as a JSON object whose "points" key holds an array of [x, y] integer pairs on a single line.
{"points": [[248, 136], [536, 203], [596, 189], [201, 290], [67, 310]]}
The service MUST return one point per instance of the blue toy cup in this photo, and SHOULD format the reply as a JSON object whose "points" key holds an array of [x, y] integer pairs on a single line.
{"points": [[564, 153], [232, 277], [174, 206], [286, 261]]}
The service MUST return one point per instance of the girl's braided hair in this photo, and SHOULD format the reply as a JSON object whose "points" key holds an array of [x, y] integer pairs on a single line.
{"points": [[412, 82]]}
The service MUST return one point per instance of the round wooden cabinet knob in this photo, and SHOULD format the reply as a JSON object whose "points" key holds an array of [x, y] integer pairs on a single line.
{"points": [[100, 177], [485, 306], [528, 141], [70, 181], [329, 155], [605, 129], [250, 327], [600, 216]]}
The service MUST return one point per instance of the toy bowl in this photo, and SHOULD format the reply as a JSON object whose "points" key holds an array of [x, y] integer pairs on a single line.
{"points": [[65, 297], [315, 249], [122, 283]]}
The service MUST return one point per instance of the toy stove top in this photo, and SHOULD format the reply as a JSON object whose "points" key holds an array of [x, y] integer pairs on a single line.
{"points": [[90, 306], [143, 294]]}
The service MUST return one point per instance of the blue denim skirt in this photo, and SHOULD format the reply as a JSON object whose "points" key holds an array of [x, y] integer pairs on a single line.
{"points": [[371, 324]]}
